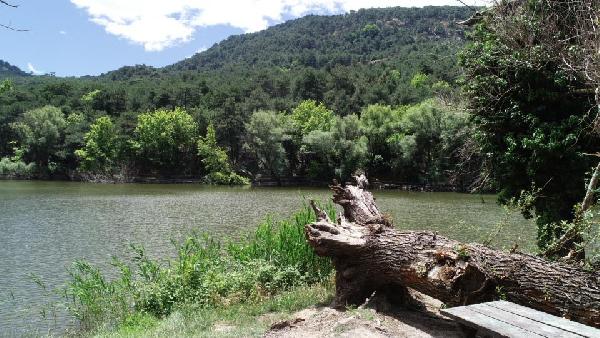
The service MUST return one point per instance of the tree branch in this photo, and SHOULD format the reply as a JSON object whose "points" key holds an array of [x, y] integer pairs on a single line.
{"points": [[8, 4], [13, 29]]}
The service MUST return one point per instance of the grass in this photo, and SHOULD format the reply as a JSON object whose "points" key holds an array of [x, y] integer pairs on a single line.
{"points": [[209, 286], [239, 320]]}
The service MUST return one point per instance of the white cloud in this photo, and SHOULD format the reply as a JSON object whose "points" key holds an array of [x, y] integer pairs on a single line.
{"points": [[62, 32], [33, 70], [158, 24]]}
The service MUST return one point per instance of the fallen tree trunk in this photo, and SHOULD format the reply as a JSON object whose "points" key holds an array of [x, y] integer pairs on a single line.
{"points": [[369, 256]]}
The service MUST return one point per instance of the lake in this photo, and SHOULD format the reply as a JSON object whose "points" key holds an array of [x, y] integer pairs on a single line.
{"points": [[45, 226]]}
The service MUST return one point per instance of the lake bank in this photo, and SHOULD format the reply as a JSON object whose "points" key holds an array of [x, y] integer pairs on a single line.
{"points": [[289, 182], [48, 225]]}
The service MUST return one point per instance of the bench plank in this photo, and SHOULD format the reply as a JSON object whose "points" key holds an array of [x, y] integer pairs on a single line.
{"points": [[548, 319], [486, 324], [525, 323]]}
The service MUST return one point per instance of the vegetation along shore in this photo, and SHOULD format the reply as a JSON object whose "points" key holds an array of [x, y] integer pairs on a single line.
{"points": [[503, 99]]}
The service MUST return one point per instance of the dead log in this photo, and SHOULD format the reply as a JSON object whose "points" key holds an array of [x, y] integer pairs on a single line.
{"points": [[370, 255]]}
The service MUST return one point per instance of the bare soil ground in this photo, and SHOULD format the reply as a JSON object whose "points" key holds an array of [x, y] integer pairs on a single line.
{"points": [[376, 318]]}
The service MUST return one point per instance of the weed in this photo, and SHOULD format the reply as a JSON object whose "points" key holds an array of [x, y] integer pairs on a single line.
{"points": [[206, 274]]}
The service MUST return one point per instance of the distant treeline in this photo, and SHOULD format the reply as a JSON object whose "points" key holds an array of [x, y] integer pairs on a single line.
{"points": [[370, 76]]}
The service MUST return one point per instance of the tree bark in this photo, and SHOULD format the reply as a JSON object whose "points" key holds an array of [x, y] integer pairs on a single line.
{"points": [[370, 255]]}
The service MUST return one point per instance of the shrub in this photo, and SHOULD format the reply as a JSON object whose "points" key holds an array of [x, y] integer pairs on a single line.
{"points": [[205, 274], [216, 161], [16, 168]]}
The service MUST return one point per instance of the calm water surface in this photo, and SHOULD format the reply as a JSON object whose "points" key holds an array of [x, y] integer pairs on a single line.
{"points": [[45, 226]]}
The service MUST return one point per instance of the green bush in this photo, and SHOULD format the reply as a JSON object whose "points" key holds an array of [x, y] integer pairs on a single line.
{"points": [[205, 274], [216, 161], [16, 168], [101, 148], [222, 178]]}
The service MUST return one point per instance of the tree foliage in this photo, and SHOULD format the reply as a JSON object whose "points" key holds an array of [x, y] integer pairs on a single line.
{"points": [[531, 115], [216, 162], [40, 132], [102, 147], [339, 152], [310, 116], [5, 86], [166, 139], [310, 71], [266, 132]]}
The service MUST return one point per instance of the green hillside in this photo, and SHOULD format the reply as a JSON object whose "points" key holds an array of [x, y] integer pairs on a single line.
{"points": [[393, 56]]}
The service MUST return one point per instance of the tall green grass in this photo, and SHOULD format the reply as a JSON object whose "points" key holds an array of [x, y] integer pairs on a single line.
{"points": [[205, 274], [283, 244]]}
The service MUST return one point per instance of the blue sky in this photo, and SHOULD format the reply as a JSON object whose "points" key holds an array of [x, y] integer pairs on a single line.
{"points": [[89, 37]]}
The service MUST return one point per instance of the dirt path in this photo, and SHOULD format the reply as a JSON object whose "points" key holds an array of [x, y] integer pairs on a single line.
{"points": [[375, 319]]}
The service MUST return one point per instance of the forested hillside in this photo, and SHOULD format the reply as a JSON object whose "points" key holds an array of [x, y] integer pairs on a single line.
{"points": [[272, 82], [322, 42]]}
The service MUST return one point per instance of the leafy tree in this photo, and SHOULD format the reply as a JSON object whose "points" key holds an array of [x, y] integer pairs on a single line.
{"points": [[371, 29], [339, 152], [530, 114], [5, 86], [89, 97], [266, 132], [110, 101], [16, 168], [427, 145], [40, 132], [310, 115], [378, 123], [216, 161], [165, 140], [101, 149], [419, 80], [309, 85]]}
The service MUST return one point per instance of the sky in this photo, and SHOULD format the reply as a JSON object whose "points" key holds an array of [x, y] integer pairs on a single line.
{"points": [[90, 37]]}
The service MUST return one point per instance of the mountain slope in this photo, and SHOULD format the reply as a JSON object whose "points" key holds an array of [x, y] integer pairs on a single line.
{"points": [[323, 41]]}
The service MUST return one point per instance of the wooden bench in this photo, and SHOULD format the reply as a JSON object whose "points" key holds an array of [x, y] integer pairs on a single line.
{"points": [[506, 319]]}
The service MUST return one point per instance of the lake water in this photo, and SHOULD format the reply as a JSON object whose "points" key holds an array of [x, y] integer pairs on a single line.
{"points": [[45, 226]]}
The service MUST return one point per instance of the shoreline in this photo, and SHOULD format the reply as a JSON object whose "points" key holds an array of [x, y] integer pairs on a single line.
{"points": [[298, 182]]}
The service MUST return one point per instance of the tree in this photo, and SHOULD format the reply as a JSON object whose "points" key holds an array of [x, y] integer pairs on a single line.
{"points": [[566, 32], [40, 132], [101, 149], [420, 80], [371, 256], [339, 152], [310, 115], [8, 4], [5, 86], [74, 137], [428, 141], [165, 140], [378, 123], [215, 160], [310, 84], [265, 133], [532, 116]]}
